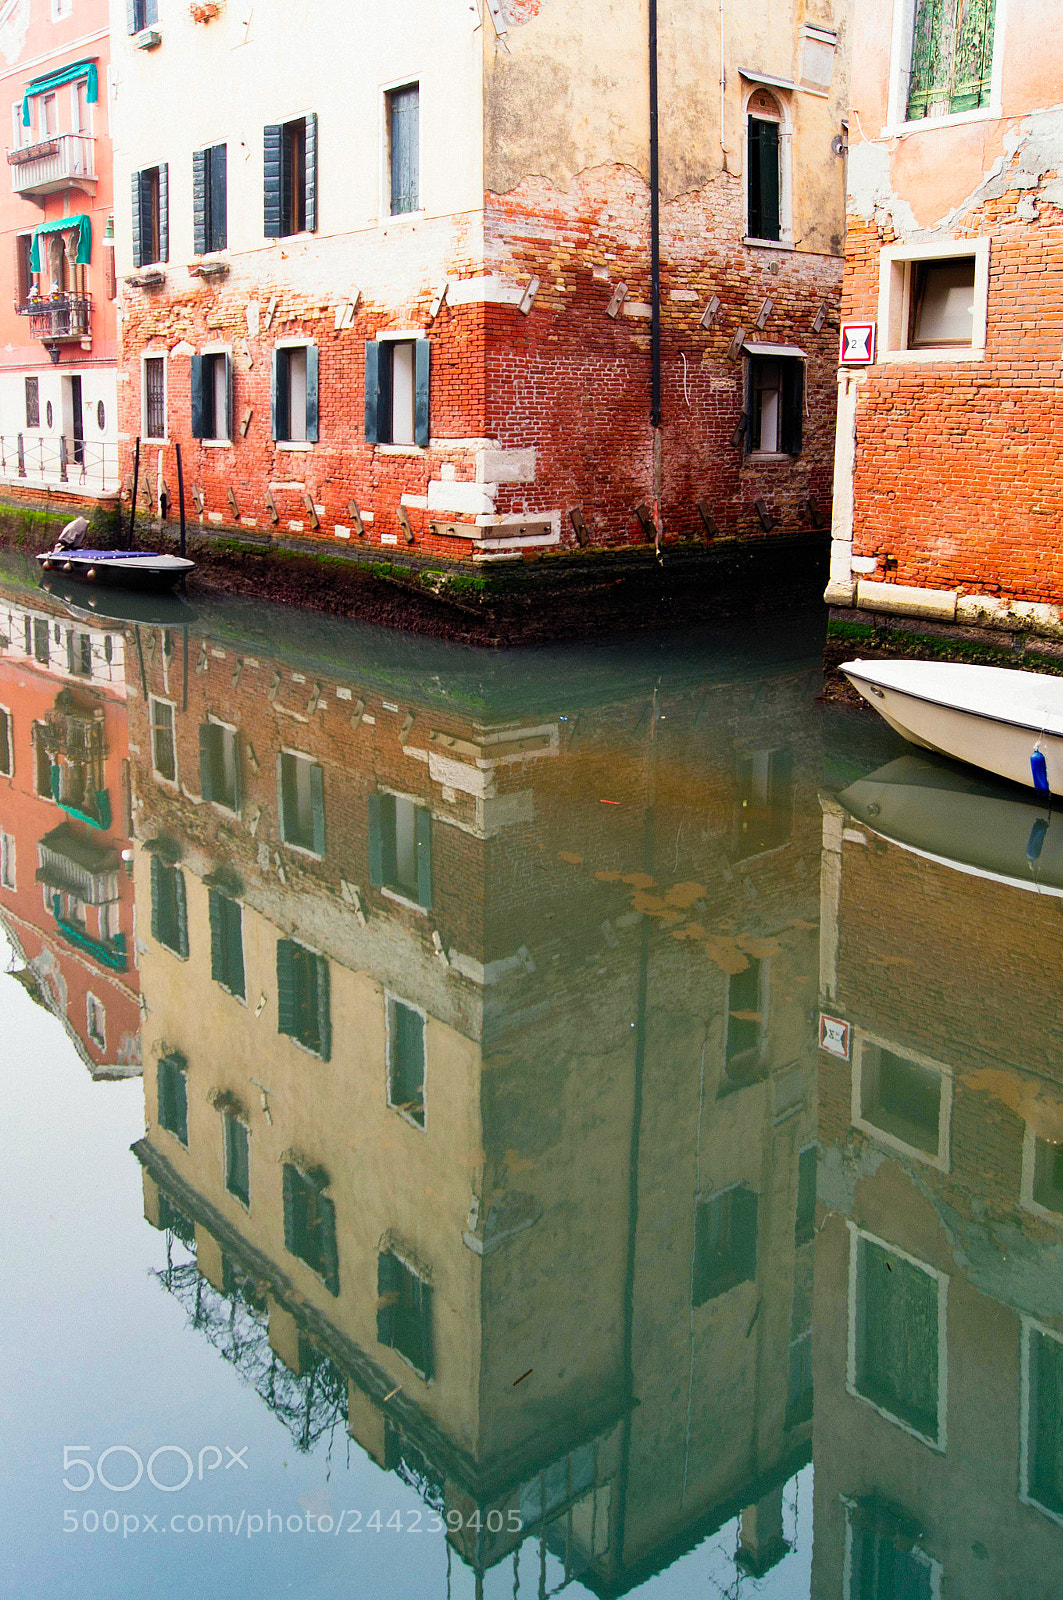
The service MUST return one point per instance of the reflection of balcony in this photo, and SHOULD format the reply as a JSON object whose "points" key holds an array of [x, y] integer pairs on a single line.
{"points": [[67, 161], [60, 317], [78, 866]]}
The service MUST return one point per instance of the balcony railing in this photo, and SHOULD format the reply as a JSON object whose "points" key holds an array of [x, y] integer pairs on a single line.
{"points": [[59, 461], [66, 161], [59, 317]]}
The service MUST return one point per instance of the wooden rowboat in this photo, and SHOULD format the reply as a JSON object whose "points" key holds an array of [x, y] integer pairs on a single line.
{"points": [[123, 569], [997, 718]]}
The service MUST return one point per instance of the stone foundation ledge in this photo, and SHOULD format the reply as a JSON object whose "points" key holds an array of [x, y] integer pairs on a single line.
{"points": [[948, 605]]}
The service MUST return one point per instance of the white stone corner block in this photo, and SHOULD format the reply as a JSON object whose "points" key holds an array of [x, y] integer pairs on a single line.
{"points": [[470, 499], [906, 601], [1038, 618], [505, 466], [984, 611], [838, 593]]}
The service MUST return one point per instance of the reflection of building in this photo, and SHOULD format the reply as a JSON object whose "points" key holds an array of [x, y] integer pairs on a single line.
{"points": [[58, 394], [479, 1077], [939, 1317], [65, 894]]}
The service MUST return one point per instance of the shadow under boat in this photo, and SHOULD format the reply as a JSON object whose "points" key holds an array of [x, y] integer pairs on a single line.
{"points": [[941, 810], [162, 610]]}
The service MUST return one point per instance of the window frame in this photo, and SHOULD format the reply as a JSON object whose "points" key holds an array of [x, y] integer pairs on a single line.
{"points": [[8, 862], [274, 176], [1028, 1181], [147, 437], [221, 970], [225, 728], [856, 1235], [1028, 1327], [894, 300], [94, 1007], [157, 774], [180, 948], [387, 189], [391, 1001], [386, 1309], [296, 1185], [175, 1064], [203, 395], [780, 102], [379, 390], [8, 721], [737, 1272], [935, 1568], [141, 14], [791, 395], [859, 1118], [322, 1051], [151, 216], [286, 752], [901, 43], [381, 847], [209, 174], [229, 1120]]}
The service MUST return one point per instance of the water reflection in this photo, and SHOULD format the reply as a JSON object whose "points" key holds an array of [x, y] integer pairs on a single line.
{"points": [[479, 1003]]}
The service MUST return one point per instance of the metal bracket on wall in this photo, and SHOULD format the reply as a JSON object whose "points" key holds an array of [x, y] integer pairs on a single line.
{"points": [[578, 525], [527, 299], [708, 316], [356, 518], [619, 296], [708, 521], [765, 312], [767, 521], [405, 524], [645, 516], [734, 349]]}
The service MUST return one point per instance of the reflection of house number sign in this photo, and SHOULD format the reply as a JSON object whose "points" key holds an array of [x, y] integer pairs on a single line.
{"points": [[834, 1036], [858, 344]]}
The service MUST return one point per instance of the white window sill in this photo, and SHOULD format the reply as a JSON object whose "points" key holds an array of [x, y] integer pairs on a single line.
{"points": [[300, 849], [759, 458], [391, 217], [401, 449], [217, 444], [401, 900], [768, 244], [422, 1127], [940, 354], [957, 119], [167, 783], [300, 446], [144, 439]]}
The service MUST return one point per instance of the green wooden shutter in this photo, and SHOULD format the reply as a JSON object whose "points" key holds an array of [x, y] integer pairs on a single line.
{"points": [[793, 405], [199, 427], [207, 740], [200, 246], [426, 1363], [763, 179], [164, 212], [156, 899], [388, 1287], [372, 392], [404, 119], [744, 1234], [289, 1186], [235, 947], [181, 911], [218, 236], [278, 409], [423, 827], [330, 1261], [422, 368], [272, 137], [311, 173], [376, 840], [228, 418], [324, 1010], [138, 221], [287, 1016], [131, 16], [281, 808], [1046, 1420], [218, 968], [313, 364], [317, 808]]}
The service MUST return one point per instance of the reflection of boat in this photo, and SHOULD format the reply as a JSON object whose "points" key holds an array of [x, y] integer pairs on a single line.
{"points": [[997, 718], [940, 810], [119, 605], [121, 569]]}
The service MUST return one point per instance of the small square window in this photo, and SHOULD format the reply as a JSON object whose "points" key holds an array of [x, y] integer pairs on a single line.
{"points": [[1048, 1175], [301, 801], [901, 1097], [237, 1158], [933, 301], [163, 745], [403, 119], [406, 1060], [404, 1312], [173, 1097], [941, 303]]}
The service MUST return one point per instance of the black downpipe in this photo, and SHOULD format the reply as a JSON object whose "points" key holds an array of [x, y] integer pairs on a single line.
{"points": [[181, 500], [136, 486]]}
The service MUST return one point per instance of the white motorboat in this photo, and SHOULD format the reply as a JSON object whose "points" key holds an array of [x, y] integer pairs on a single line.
{"points": [[997, 718]]}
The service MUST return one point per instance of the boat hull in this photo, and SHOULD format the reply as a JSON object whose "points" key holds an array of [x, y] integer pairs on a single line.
{"points": [[996, 740], [109, 569]]}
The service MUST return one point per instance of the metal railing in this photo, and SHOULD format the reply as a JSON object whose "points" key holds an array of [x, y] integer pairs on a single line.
{"points": [[53, 163], [59, 461], [60, 316]]}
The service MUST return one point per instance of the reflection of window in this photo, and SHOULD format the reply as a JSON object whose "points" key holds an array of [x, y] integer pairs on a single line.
{"points": [[96, 1019], [173, 1096], [310, 1224], [403, 119], [163, 746], [1048, 1174], [303, 1005], [219, 771], [404, 1312], [300, 783], [725, 1243], [7, 861], [745, 1017], [764, 811], [903, 1098], [805, 1225], [883, 1555], [7, 765], [406, 1060], [562, 1481], [952, 57], [400, 847], [237, 1158], [169, 914], [1043, 1454], [42, 765], [226, 942], [896, 1320]]}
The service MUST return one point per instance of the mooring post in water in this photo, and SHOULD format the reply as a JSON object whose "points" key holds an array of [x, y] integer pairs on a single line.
{"points": [[655, 279], [181, 498], [136, 487]]}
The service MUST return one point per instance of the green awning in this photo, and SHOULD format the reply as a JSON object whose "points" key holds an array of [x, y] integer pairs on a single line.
{"points": [[81, 222], [53, 80]]}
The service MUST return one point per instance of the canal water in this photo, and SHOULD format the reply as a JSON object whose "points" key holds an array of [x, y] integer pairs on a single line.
{"points": [[579, 1119]]}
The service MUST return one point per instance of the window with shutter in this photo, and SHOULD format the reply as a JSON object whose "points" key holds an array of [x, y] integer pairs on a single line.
{"points": [[310, 1226], [6, 748], [163, 747], [24, 278], [897, 1335], [303, 998], [173, 1096], [141, 14], [403, 124], [295, 403], [219, 765], [404, 1313], [775, 405], [237, 1158], [169, 919], [290, 189], [744, 1012], [150, 216], [763, 150], [227, 943], [725, 1243], [764, 801], [406, 1060], [1044, 1465], [301, 802], [397, 391], [951, 68], [400, 845], [210, 199]]}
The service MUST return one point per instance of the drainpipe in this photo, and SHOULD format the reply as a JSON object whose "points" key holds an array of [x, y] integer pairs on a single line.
{"points": [[655, 282]]}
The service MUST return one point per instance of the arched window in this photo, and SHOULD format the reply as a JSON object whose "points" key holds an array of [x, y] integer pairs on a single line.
{"points": [[767, 169]]}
